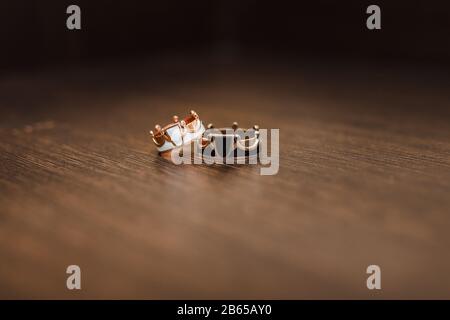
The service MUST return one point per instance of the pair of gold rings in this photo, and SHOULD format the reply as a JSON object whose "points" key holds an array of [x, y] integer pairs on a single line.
{"points": [[233, 141]]}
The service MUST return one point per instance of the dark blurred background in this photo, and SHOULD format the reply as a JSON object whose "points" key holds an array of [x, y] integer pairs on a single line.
{"points": [[33, 33]]}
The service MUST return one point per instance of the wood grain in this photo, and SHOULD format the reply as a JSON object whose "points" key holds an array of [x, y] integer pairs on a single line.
{"points": [[364, 179]]}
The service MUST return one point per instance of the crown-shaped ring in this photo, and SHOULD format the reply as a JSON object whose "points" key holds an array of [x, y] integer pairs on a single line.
{"points": [[226, 141], [178, 132]]}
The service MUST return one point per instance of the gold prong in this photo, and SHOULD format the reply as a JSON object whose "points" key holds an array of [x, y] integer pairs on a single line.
{"points": [[194, 114], [235, 125], [175, 119], [210, 126]]}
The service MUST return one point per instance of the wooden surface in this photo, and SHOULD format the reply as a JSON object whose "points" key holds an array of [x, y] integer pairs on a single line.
{"points": [[364, 179]]}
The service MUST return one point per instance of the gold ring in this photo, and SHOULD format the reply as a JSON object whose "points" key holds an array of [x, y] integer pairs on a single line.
{"points": [[234, 138], [177, 133]]}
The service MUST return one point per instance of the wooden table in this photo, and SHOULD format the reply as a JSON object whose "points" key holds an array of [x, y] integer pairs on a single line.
{"points": [[364, 179]]}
